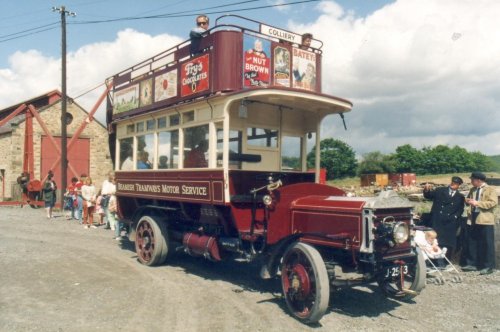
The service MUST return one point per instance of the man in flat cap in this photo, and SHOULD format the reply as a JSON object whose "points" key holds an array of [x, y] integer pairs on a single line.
{"points": [[481, 200], [447, 209]]}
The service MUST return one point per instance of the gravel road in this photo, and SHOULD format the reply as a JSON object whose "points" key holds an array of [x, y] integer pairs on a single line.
{"points": [[57, 276]]}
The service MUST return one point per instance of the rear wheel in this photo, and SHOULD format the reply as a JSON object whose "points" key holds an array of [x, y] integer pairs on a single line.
{"points": [[152, 243], [397, 287], [305, 282]]}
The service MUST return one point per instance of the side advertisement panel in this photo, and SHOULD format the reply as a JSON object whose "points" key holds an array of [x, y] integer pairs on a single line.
{"points": [[194, 76], [256, 61], [178, 190]]}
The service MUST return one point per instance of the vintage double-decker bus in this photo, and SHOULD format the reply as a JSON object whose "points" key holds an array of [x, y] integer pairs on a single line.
{"points": [[210, 145]]}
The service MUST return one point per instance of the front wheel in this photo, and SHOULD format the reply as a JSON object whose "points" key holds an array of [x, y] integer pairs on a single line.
{"points": [[305, 282], [152, 244], [397, 286]]}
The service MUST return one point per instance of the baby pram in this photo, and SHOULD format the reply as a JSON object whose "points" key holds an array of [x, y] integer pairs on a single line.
{"points": [[437, 273]]}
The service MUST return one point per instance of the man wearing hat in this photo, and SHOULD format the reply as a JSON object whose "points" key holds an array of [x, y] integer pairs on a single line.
{"points": [[447, 209], [481, 202]]}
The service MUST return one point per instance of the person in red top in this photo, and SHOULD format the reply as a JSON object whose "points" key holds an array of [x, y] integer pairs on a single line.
{"points": [[196, 157], [79, 198], [70, 199]]}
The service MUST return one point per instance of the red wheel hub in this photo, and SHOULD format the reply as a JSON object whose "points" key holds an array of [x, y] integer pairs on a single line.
{"points": [[299, 280]]}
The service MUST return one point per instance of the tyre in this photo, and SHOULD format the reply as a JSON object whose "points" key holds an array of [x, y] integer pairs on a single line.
{"points": [[305, 282], [152, 243], [397, 288]]}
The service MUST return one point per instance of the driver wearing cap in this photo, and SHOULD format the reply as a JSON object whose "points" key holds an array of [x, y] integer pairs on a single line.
{"points": [[447, 209]]}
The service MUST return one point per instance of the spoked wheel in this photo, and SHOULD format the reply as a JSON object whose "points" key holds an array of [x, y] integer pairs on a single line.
{"points": [[406, 286], [305, 282], [152, 244]]}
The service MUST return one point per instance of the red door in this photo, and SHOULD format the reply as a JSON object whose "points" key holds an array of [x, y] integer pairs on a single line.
{"points": [[78, 158]]}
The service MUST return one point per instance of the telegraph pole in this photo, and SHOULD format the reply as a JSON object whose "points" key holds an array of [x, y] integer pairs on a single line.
{"points": [[64, 160]]}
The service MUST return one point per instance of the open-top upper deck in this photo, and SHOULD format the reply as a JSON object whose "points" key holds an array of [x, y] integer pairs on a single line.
{"points": [[241, 102], [230, 58]]}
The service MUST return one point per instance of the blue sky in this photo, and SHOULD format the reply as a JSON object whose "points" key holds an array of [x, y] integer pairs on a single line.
{"points": [[419, 72], [18, 16]]}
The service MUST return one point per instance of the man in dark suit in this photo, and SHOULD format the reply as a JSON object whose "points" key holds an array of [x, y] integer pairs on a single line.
{"points": [[446, 212]]}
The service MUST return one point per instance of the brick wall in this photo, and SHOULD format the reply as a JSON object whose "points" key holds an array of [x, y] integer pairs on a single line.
{"points": [[13, 145]]}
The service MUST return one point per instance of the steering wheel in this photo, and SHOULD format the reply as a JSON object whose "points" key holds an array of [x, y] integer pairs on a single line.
{"points": [[270, 177]]}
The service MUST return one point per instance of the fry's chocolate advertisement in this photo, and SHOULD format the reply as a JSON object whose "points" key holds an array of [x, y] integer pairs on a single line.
{"points": [[256, 61], [194, 76]]}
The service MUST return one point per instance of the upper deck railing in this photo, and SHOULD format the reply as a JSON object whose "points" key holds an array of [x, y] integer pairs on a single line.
{"points": [[229, 58]]}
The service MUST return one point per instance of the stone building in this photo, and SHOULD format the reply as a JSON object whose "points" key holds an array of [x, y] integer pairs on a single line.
{"points": [[89, 153]]}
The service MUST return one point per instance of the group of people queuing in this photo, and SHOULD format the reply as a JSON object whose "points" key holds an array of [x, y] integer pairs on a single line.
{"points": [[477, 234], [202, 24], [82, 201]]}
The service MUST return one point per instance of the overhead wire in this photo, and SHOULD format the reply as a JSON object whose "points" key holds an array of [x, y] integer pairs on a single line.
{"points": [[89, 90], [2, 40], [193, 12], [52, 26], [28, 30]]}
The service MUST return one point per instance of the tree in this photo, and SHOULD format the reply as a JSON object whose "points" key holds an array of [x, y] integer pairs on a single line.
{"points": [[376, 162], [440, 159], [336, 156], [407, 159]]}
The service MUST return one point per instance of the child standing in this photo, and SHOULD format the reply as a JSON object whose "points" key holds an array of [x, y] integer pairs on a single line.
{"points": [[99, 208], [112, 209], [88, 195]]}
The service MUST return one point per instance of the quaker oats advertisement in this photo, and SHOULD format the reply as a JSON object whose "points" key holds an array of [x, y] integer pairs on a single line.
{"points": [[194, 76], [166, 85], [304, 69], [281, 66], [256, 62]]}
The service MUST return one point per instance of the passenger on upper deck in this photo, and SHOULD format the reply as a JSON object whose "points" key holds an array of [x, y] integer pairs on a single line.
{"points": [[196, 157], [198, 33], [306, 41]]}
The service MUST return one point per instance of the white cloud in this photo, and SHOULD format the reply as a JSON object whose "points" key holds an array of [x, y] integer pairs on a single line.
{"points": [[421, 72], [32, 74]]}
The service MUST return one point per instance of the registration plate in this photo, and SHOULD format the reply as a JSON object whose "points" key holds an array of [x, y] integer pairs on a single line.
{"points": [[394, 271]]}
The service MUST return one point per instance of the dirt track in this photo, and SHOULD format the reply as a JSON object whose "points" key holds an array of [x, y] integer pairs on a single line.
{"points": [[57, 276]]}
